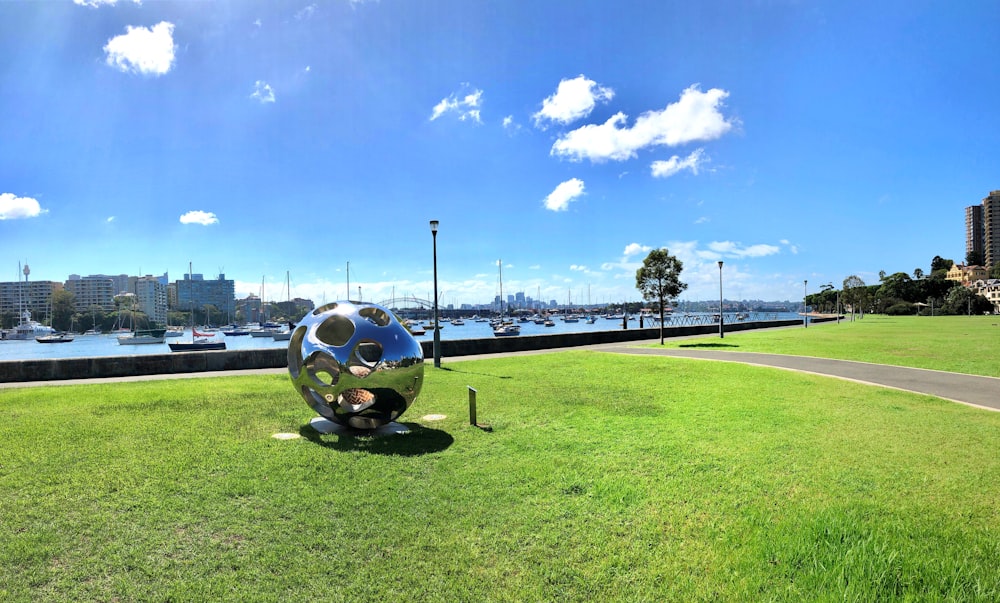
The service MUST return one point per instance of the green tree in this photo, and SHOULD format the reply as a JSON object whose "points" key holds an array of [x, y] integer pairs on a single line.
{"points": [[961, 300], [897, 286], [940, 264], [918, 274], [63, 305], [854, 292], [974, 258], [659, 280], [995, 270]]}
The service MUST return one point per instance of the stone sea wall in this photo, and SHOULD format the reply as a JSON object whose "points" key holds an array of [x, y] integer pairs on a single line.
{"points": [[230, 360]]}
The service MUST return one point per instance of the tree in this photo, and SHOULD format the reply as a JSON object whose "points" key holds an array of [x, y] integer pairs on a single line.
{"points": [[918, 274], [995, 271], [974, 258], [854, 291], [961, 300], [659, 280], [62, 309], [939, 263], [897, 286]]}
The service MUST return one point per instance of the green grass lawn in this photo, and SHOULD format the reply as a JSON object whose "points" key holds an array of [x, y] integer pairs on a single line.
{"points": [[961, 344], [606, 477]]}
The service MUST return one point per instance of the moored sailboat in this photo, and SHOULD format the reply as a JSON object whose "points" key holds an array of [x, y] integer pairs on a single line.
{"points": [[196, 344]]}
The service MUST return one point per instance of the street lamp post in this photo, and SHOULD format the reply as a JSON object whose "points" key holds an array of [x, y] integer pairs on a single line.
{"points": [[805, 315], [721, 332], [437, 331]]}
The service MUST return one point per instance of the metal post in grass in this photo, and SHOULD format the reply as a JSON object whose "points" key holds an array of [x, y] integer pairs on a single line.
{"points": [[721, 333], [437, 316], [805, 316], [472, 405]]}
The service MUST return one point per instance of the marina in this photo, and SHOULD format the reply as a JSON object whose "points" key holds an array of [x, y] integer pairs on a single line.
{"points": [[84, 346]]}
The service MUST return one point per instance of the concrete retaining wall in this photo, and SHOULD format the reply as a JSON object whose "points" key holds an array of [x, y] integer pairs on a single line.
{"points": [[229, 360]]}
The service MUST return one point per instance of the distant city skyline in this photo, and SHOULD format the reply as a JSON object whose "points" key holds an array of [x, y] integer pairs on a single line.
{"points": [[806, 141]]}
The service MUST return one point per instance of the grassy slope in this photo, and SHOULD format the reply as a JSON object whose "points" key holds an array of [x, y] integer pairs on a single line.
{"points": [[606, 478], [960, 344]]}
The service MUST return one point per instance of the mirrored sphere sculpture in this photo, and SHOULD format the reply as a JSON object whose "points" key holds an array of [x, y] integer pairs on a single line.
{"points": [[355, 364]]}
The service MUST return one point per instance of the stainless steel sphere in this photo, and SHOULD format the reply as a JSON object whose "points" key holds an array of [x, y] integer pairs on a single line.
{"points": [[355, 364]]}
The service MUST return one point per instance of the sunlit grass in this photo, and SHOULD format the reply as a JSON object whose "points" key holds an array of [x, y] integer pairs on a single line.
{"points": [[606, 477], [961, 344]]}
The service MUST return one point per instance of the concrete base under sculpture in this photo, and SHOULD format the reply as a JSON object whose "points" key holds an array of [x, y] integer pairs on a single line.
{"points": [[326, 426]]}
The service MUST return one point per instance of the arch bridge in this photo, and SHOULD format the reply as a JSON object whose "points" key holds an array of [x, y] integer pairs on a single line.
{"points": [[406, 303]]}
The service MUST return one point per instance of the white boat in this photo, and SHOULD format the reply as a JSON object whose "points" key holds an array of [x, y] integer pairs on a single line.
{"points": [[29, 329], [507, 330], [199, 341], [143, 337], [504, 328], [54, 338], [286, 333], [263, 332]]}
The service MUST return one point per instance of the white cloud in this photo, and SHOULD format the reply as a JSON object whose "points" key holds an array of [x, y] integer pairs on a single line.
{"points": [[702, 220], [467, 108], [695, 117], [97, 3], [204, 218], [666, 169], [737, 250], [13, 207], [263, 92], [560, 198], [306, 13], [578, 268], [110, 219], [257, 22], [573, 99], [634, 248], [143, 50]]}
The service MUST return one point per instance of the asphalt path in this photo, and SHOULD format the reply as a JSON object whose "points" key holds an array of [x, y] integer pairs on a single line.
{"points": [[981, 392], [973, 390]]}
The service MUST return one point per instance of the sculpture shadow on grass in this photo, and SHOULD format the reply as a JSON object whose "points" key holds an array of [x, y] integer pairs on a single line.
{"points": [[420, 440], [709, 345], [451, 370]]}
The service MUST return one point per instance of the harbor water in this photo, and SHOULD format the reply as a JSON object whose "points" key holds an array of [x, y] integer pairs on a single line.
{"points": [[84, 346]]}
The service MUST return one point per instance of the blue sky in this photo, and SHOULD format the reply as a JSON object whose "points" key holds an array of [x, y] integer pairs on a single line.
{"points": [[792, 140]]}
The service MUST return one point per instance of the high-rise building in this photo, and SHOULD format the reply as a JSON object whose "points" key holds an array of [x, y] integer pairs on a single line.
{"points": [[151, 298], [90, 291], [196, 292], [974, 236], [991, 228]]}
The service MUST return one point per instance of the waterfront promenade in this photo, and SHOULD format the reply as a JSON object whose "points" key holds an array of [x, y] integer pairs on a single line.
{"points": [[972, 390]]}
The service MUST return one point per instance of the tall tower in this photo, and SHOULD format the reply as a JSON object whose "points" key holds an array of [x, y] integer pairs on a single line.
{"points": [[991, 228], [974, 235]]}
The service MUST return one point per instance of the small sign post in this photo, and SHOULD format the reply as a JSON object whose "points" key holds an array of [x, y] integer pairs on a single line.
{"points": [[472, 405]]}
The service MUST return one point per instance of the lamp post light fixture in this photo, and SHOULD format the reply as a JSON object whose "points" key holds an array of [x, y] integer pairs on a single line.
{"points": [[721, 332], [805, 315], [437, 330]]}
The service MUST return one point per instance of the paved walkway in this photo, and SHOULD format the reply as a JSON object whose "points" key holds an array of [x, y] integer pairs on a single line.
{"points": [[982, 392]]}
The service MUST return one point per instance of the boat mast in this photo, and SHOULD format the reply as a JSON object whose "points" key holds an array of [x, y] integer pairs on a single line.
{"points": [[500, 269]]}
